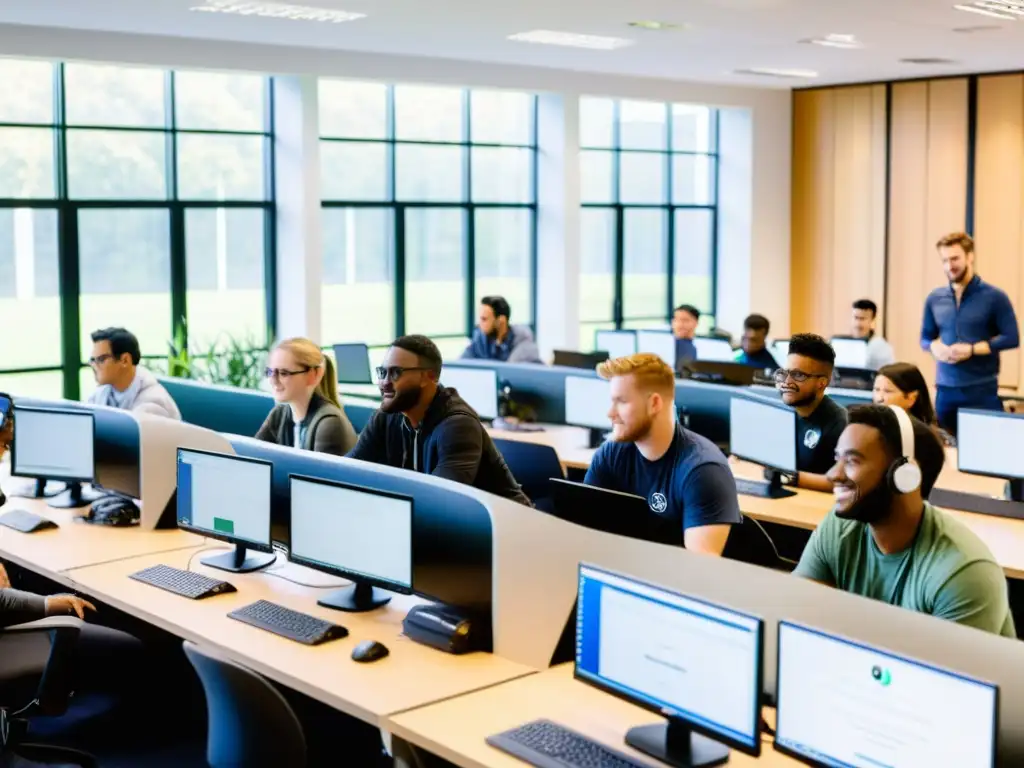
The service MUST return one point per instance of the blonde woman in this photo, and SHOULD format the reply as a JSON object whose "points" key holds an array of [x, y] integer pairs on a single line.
{"points": [[309, 414]]}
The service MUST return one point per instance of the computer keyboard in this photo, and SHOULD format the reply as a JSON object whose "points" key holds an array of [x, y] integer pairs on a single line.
{"points": [[188, 584], [545, 744], [761, 489], [25, 521], [300, 627]]}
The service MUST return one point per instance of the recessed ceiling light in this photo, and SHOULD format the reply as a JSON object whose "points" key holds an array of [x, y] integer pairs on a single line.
{"points": [[571, 39], [836, 41], [278, 11], [986, 12], [773, 72], [657, 25]]}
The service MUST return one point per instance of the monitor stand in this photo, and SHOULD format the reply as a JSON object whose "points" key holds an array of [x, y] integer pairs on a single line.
{"points": [[358, 598], [674, 743], [38, 489], [74, 496], [237, 561], [596, 438]]}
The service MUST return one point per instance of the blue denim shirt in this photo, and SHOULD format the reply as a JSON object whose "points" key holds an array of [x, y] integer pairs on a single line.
{"points": [[483, 347], [984, 314]]}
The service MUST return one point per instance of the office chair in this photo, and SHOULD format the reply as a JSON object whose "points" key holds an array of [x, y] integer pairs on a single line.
{"points": [[36, 662], [532, 466], [250, 722], [751, 543]]}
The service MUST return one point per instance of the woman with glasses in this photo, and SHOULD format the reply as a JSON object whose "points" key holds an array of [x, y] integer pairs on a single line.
{"points": [[309, 414]]}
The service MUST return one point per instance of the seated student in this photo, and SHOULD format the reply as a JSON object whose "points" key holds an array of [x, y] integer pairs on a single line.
{"points": [[884, 541], [495, 338], [428, 428], [753, 346], [880, 353], [122, 383], [685, 478], [903, 384], [684, 328], [309, 414], [820, 420]]}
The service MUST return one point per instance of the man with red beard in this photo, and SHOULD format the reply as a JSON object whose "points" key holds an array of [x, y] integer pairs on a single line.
{"points": [[684, 477], [884, 541]]}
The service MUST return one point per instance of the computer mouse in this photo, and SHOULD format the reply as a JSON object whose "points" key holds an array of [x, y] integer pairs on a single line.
{"points": [[113, 510], [370, 650]]}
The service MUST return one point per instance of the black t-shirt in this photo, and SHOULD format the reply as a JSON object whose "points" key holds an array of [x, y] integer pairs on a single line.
{"points": [[817, 436]]}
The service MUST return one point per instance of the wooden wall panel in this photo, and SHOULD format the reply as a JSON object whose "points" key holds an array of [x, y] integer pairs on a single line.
{"points": [[999, 195]]}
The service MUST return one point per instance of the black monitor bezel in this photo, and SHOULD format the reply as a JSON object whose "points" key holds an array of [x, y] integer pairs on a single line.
{"points": [[859, 644], [337, 368], [77, 412], [565, 385], [476, 369], [767, 404], [753, 750], [355, 576], [217, 535], [959, 448], [592, 359]]}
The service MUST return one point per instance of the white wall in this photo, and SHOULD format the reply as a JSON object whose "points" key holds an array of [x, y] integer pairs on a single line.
{"points": [[753, 228]]}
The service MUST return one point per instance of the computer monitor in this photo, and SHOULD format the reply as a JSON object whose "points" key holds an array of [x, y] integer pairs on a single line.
{"points": [[844, 703], [713, 350], [601, 509], [352, 362], [227, 497], [989, 443], [477, 386], [697, 663], [717, 372], [765, 433], [587, 402], [850, 352], [358, 533], [55, 444], [615, 343], [780, 350], [586, 361], [660, 343]]}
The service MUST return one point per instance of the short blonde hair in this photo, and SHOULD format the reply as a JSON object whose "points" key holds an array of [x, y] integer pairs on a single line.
{"points": [[309, 355], [650, 371]]}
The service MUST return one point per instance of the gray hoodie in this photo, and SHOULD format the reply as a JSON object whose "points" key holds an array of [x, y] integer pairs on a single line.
{"points": [[145, 395]]}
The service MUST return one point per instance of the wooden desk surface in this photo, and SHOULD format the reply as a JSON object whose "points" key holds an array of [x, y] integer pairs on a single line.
{"points": [[413, 675], [456, 729]]}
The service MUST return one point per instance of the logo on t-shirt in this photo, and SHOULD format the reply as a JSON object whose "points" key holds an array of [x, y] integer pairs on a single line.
{"points": [[811, 438], [659, 503]]}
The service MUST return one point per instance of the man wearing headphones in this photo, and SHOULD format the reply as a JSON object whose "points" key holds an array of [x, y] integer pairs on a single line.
{"points": [[884, 541]]}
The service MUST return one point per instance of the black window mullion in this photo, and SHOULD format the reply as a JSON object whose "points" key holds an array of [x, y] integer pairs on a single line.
{"points": [[534, 197], [670, 225], [270, 212], [399, 286], [714, 225], [176, 217], [468, 214], [620, 261], [68, 276]]}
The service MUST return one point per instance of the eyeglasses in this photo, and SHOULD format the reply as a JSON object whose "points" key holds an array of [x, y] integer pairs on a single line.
{"points": [[100, 359], [284, 373], [394, 372], [799, 377]]}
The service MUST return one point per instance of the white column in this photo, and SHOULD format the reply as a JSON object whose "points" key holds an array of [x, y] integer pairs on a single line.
{"points": [[735, 218], [299, 230], [558, 223]]}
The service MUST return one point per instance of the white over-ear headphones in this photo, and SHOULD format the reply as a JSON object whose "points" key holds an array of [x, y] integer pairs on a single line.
{"points": [[905, 475]]}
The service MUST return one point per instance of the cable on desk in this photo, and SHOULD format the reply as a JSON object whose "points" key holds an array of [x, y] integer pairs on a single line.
{"points": [[270, 572], [201, 550]]}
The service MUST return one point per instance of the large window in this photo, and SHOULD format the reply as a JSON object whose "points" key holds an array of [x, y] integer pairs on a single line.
{"points": [[648, 189], [133, 197], [429, 205]]}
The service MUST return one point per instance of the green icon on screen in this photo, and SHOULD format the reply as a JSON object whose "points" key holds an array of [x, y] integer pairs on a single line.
{"points": [[881, 675]]}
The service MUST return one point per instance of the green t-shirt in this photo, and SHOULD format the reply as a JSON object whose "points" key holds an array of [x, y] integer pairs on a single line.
{"points": [[947, 571]]}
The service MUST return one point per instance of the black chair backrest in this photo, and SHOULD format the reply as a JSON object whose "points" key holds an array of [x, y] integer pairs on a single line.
{"points": [[751, 543], [532, 466]]}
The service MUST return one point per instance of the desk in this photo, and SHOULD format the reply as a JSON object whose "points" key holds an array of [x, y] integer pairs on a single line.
{"points": [[571, 443], [411, 676], [456, 729]]}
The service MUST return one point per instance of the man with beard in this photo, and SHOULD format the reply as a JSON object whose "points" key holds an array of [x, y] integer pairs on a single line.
{"points": [[428, 428], [820, 420], [495, 338], [684, 477], [966, 325], [884, 541]]}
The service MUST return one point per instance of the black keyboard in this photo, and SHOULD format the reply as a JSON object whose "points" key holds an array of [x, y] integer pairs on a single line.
{"points": [[25, 521], [545, 744], [300, 627], [761, 489], [188, 584]]}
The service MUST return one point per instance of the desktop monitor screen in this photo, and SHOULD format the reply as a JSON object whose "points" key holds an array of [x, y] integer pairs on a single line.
{"points": [[615, 343], [712, 350], [780, 350], [841, 703], [477, 386], [988, 443], [850, 353], [225, 497], [352, 362], [354, 532], [53, 444], [695, 661], [660, 343], [764, 433], [587, 402]]}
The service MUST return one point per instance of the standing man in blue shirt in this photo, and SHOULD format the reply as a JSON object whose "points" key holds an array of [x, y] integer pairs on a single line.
{"points": [[495, 338], [966, 325], [685, 478]]}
